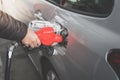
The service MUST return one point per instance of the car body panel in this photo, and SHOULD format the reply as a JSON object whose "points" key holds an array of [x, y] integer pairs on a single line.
{"points": [[89, 40]]}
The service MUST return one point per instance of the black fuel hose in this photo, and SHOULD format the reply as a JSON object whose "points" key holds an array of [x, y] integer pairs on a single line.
{"points": [[8, 60]]}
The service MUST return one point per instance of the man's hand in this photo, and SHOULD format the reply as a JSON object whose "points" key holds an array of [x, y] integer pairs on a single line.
{"points": [[31, 39]]}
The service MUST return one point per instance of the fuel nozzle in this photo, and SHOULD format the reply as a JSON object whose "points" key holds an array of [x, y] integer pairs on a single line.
{"points": [[48, 37]]}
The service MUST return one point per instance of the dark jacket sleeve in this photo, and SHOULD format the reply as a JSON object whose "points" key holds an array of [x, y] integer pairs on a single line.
{"points": [[11, 28]]}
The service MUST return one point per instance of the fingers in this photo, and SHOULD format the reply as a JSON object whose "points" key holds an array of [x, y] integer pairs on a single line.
{"points": [[32, 44], [38, 41], [31, 39], [35, 43]]}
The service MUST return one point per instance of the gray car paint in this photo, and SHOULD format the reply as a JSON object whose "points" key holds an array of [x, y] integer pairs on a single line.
{"points": [[89, 40]]}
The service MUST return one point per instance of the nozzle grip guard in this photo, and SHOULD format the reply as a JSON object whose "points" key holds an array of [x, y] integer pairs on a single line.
{"points": [[47, 36]]}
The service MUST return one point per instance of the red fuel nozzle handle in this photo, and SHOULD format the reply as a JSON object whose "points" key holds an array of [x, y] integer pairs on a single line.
{"points": [[47, 36]]}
